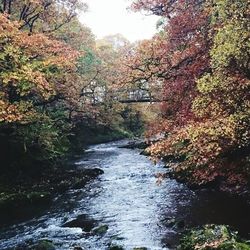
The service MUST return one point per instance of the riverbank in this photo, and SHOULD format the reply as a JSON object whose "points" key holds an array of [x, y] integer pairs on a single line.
{"points": [[23, 198], [211, 237], [183, 176], [29, 189], [205, 236]]}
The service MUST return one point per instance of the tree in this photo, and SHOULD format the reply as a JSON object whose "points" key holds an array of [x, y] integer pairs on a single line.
{"points": [[29, 81], [27, 62], [174, 58], [205, 108], [46, 15]]}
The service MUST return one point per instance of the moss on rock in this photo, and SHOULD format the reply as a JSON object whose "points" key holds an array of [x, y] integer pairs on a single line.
{"points": [[211, 237], [101, 230], [44, 245]]}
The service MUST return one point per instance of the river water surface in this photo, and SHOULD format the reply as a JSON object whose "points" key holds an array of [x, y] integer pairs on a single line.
{"points": [[127, 199]]}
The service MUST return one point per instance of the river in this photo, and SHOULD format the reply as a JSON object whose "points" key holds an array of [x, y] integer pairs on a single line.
{"points": [[138, 211]]}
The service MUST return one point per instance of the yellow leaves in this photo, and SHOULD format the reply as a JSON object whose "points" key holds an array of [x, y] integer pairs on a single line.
{"points": [[11, 51], [26, 80], [205, 106], [231, 42], [217, 81], [232, 37], [203, 142], [9, 55], [219, 94], [207, 83], [27, 63], [221, 128], [200, 105]]}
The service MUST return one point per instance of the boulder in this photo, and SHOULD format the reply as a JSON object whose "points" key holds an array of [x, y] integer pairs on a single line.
{"points": [[82, 221]]}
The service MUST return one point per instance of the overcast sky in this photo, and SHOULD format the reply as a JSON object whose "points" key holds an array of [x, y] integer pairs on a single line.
{"points": [[107, 17]]}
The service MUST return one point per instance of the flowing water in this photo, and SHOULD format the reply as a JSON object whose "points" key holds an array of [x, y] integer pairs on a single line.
{"points": [[138, 211]]}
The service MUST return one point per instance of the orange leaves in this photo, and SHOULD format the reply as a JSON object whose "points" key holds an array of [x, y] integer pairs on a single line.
{"points": [[42, 85], [36, 44], [9, 113], [53, 52], [6, 25], [21, 112], [26, 62]]}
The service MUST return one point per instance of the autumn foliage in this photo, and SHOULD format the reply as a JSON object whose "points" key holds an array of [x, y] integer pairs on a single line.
{"points": [[201, 59], [27, 61], [54, 79]]}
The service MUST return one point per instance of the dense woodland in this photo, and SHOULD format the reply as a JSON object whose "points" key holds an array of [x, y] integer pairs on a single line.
{"points": [[201, 59], [57, 80], [186, 89], [55, 76]]}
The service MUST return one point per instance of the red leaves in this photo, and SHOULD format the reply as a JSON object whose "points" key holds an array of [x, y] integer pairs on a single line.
{"points": [[205, 109]]}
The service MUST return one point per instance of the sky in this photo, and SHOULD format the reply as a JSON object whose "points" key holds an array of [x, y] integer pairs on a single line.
{"points": [[109, 17]]}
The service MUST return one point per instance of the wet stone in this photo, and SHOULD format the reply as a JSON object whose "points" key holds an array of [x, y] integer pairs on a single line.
{"points": [[169, 222], [78, 248], [93, 172], [82, 221], [116, 247], [101, 230], [180, 224], [116, 237], [44, 245], [174, 223]]}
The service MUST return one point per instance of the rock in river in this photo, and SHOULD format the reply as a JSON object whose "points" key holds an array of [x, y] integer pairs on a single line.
{"points": [[82, 221]]}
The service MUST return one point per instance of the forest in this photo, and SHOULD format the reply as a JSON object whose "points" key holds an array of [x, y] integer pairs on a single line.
{"points": [[184, 93]]}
